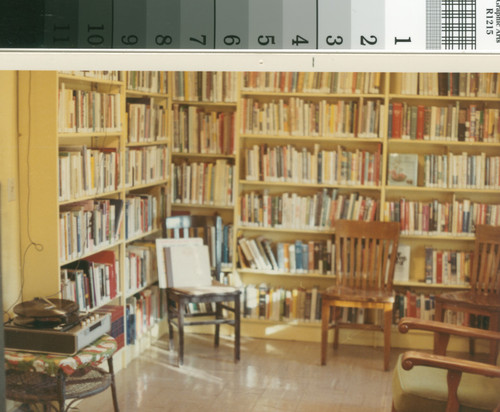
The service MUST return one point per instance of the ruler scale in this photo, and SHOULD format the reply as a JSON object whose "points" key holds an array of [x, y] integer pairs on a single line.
{"points": [[289, 25]]}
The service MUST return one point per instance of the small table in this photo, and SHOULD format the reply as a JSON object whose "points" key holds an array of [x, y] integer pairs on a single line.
{"points": [[47, 378]]}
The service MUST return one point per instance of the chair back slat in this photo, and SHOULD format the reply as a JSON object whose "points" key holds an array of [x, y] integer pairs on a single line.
{"points": [[485, 277], [364, 257]]}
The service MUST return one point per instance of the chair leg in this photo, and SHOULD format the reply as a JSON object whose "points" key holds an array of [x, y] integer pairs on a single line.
{"points": [[113, 385], [180, 320], [325, 319], [336, 317], [170, 317], [387, 336], [218, 315], [494, 325], [237, 314], [61, 389]]}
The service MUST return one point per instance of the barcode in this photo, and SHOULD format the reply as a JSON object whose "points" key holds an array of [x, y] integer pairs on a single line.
{"points": [[451, 24]]}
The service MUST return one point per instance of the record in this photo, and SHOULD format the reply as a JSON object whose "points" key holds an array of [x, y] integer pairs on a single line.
{"points": [[46, 308]]}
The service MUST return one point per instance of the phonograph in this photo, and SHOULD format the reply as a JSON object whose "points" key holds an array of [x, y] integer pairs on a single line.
{"points": [[53, 326]]}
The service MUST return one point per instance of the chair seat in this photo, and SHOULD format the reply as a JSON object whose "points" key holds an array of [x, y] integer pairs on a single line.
{"points": [[424, 388], [205, 290], [357, 295], [470, 299]]}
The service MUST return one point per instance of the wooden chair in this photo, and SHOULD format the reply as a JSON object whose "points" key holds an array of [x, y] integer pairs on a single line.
{"points": [[225, 298], [483, 298], [365, 257], [444, 383]]}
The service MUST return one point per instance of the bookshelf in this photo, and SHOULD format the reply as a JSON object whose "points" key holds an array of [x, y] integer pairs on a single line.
{"points": [[204, 149], [244, 145], [96, 191]]}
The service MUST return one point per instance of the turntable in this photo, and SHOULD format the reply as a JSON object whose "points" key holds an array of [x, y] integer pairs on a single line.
{"points": [[53, 326]]}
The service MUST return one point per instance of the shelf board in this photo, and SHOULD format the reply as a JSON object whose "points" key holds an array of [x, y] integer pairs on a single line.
{"points": [[146, 185], [435, 236], [430, 285], [74, 135], [203, 155], [142, 235], [162, 142], [316, 139], [145, 93], [90, 197], [445, 98], [312, 94], [304, 275], [309, 185], [200, 206], [315, 231], [209, 104], [441, 143]]}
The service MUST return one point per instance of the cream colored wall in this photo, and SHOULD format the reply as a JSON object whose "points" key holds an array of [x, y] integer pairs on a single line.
{"points": [[10, 253]]}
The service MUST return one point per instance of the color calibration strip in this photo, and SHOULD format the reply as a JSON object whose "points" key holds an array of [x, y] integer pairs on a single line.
{"points": [[327, 25]]}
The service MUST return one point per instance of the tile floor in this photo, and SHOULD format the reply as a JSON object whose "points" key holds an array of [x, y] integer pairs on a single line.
{"points": [[271, 376]]}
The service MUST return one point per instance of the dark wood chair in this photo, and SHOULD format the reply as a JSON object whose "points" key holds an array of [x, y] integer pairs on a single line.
{"points": [[483, 298], [365, 257], [225, 298], [441, 382]]}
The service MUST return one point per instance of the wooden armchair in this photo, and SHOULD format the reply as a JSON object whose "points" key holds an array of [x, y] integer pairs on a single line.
{"points": [[179, 299], [365, 257], [483, 298], [436, 382]]}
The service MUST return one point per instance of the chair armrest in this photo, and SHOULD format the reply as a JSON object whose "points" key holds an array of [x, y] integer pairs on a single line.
{"points": [[414, 358], [405, 324]]}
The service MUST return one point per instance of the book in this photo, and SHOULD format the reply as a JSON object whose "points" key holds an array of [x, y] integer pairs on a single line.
{"points": [[187, 265], [161, 245], [403, 169], [402, 269]]}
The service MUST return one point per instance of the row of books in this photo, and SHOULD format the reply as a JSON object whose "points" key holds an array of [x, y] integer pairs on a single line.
{"points": [[144, 165], [203, 183], [276, 303], [147, 121], [148, 81], [141, 214], [85, 171], [472, 123], [197, 130], [299, 117], [88, 111], [89, 225], [142, 311], [220, 86], [140, 267], [458, 217], [447, 267], [415, 305], [288, 164], [446, 84], [313, 82], [313, 212], [299, 256], [466, 319], [91, 282], [113, 75], [460, 171]]}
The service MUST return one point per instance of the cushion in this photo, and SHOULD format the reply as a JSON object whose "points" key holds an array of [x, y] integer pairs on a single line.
{"points": [[425, 389]]}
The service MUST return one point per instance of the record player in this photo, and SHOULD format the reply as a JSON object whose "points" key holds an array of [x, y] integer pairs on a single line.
{"points": [[53, 326]]}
